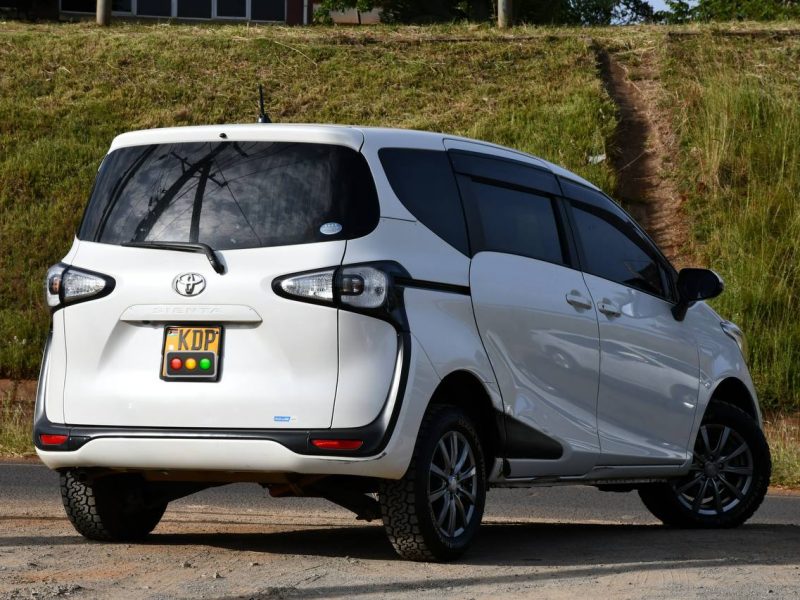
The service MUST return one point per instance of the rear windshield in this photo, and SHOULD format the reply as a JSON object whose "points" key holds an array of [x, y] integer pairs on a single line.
{"points": [[231, 195]]}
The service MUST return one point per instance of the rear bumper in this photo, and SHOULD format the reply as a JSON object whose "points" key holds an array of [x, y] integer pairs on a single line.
{"points": [[229, 455], [388, 441]]}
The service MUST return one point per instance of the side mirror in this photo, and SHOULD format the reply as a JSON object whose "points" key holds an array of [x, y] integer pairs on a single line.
{"points": [[694, 285]]}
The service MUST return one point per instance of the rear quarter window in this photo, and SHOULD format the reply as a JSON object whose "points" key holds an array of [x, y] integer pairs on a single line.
{"points": [[424, 182], [231, 195]]}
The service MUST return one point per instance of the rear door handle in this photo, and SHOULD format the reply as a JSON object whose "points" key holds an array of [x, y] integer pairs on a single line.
{"points": [[609, 309], [578, 301]]}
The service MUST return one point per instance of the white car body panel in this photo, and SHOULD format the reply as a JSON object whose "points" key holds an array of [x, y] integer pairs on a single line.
{"points": [[56, 370], [546, 358], [367, 358], [350, 137], [430, 313], [390, 241], [648, 378], [720, 359], [270, 370]]}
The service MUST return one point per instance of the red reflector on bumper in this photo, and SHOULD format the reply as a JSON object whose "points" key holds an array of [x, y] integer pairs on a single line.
{"points": [[337, 444], [51, 439]]}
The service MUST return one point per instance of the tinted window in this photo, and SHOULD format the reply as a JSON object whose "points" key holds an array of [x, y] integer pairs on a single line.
{"points": [[231, 194], [514, 221], [424, 183], [600, 200], [615, 254]]}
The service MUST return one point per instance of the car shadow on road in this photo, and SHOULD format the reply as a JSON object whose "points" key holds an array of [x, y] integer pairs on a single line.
{"points": [[540, 552], [507, 544], [550, 544]]}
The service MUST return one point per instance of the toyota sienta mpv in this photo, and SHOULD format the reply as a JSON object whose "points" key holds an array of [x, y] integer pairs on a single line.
{"points": [[393, 320]]}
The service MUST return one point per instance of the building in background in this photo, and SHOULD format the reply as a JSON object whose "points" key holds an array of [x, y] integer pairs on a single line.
{"points": [[291, 12], [352, 17]]}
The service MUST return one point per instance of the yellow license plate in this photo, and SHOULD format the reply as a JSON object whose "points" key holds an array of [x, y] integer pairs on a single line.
{"points": [[191, 353]]}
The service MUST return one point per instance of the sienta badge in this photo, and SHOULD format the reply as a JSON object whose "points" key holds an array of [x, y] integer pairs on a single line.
{"points": [[330, 229]]}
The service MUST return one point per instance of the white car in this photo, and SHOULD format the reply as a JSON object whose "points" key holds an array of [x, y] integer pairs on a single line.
{"points": [[393, 320]]}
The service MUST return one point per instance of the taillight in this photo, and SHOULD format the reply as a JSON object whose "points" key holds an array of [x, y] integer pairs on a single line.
{"points": [[310, 286], [52, 285], [69, 285], [366, 288], [362, 286]]}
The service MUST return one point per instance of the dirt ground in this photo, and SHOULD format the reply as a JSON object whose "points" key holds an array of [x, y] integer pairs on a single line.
{"points": [[285, 550]]}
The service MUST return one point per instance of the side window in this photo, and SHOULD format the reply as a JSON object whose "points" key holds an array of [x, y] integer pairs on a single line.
{"points": [[614, 254], [517, 222], [424, 182]]}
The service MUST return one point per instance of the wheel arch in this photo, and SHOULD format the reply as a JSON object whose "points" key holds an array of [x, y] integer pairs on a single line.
{"points": [[466, 391], [734, 391]]}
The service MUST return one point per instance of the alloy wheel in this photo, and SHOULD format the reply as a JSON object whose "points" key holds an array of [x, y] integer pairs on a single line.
{"points": [[452, 484], [721, 473]]}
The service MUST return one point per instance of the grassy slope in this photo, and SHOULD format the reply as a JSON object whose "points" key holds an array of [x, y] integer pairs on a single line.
{"points": [[66, 90], [738, 118]]}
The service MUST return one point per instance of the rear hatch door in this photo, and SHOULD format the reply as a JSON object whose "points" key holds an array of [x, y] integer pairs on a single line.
{"points": [[267, 209]]}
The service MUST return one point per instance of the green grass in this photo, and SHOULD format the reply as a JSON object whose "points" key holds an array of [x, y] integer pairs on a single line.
{"points": [[783, 433], [67, 90], [737, 116], [16, 418]]}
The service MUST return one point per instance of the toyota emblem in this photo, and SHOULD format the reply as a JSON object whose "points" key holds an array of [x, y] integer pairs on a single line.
{"points": [[189, 284]]}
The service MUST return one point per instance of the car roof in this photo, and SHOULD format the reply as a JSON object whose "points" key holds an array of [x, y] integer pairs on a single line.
{"points": [[343, 135]]}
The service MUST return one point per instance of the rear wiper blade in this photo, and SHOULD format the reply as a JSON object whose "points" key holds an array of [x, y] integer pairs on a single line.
{"points": [[198, 247]]}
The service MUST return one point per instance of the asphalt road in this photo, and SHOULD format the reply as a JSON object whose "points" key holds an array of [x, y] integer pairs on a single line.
{"points": [[35, 483], [235, 542]]}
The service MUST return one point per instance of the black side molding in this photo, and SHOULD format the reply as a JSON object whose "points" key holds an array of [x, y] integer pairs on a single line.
{"points": [[523, 441], [435, 286]]}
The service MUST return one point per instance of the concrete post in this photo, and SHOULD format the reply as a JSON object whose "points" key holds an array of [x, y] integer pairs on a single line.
{"points": [[504, 13], [104, 12]]}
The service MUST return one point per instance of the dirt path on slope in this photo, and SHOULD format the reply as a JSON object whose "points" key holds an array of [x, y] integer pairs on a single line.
{"points": [[642, 153]]}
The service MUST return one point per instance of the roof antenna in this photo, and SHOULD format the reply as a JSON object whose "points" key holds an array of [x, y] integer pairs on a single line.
{"points": [[263, 117]]}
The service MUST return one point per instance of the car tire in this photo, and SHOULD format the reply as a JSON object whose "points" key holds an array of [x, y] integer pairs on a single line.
{"points": [[728, 479], [434, 511], [109, 509]]}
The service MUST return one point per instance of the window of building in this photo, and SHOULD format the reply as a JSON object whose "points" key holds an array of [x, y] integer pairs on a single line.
{"points": [[154, 8], [232, 8], [268, 10], [88, 6], [194, 9]]}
